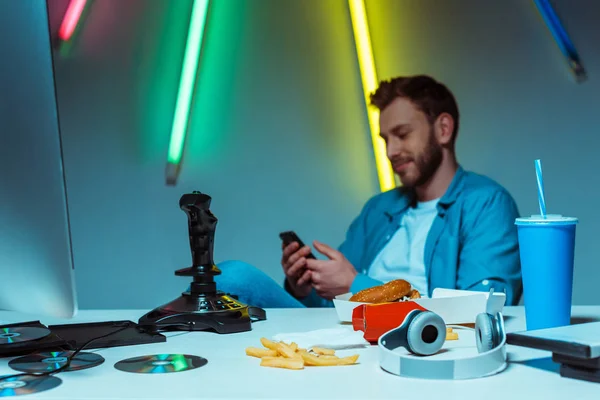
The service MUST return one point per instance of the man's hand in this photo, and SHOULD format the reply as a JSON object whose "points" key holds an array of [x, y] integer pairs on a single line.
{"points": [[330, 277], [293, 261]]}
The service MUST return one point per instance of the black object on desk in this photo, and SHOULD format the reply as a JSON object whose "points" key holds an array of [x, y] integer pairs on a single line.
{"points": [[73, 336], [575, 347], [202, 307], [130, 334], [586, 374]]}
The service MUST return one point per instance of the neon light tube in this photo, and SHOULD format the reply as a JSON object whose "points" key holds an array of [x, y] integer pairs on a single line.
{"points": [[369, 80], [71, 18], [186, 89], [561, 38]]}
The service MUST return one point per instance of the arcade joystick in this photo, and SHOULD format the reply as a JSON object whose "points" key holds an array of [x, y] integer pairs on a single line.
{"points": [[202, 306]]}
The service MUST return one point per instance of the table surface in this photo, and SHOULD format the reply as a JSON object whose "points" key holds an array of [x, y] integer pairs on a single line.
{"points": [[231, 374]]}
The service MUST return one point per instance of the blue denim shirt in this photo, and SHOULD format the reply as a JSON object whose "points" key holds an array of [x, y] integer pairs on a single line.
{"points": [[472, 243]]}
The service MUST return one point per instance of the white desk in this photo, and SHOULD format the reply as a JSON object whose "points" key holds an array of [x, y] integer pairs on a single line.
{"points": [[230, 374]]}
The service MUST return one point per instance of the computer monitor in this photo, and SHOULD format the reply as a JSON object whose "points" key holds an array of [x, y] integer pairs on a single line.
{"points": [[36, 261]]}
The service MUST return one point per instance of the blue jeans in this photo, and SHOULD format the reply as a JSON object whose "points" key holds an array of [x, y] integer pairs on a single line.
{"points": [[253, 287]]}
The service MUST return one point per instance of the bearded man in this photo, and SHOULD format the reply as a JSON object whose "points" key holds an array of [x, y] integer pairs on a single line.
{"points": [[444, 227]]}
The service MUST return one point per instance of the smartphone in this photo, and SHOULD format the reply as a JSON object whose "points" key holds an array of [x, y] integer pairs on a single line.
{"points": [[289, 237]]}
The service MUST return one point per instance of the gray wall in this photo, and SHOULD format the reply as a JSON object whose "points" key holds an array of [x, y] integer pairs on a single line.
{"points": [[279, 134]]}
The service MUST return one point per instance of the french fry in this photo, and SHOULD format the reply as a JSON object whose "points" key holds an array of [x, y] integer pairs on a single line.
{"points": [[294, 346], [448, 329], [269, 344], [310, 359], [282, 362], [329, 356], [451, 336], [259, 353], [322, 351]]}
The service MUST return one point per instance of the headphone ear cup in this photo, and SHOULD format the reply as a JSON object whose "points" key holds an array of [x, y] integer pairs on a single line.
{"points": [[426, 334], [484, 332]]}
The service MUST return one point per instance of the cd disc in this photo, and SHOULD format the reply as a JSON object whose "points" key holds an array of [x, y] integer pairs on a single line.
{"points": [[161, 363], [51, 361], [22, 385], [21, 334]]}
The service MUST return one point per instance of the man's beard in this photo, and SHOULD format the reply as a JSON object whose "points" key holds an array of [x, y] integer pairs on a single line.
{"points": [[426, 163]]}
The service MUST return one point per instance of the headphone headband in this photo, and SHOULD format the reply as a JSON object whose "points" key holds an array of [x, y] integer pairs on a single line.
{"points": [[480, 365]]}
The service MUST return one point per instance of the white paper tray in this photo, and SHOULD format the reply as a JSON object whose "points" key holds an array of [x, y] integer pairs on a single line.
{"points": [[454, 306]]}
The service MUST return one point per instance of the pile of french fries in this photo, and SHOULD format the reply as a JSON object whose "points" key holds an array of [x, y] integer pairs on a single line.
{"points": [[290, 356]]}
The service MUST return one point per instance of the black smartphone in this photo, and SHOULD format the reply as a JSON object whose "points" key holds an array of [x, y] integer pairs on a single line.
{"points": [[289, 237]]}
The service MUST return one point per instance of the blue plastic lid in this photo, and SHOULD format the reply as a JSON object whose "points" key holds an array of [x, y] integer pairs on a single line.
{"points": [[553, 219]]}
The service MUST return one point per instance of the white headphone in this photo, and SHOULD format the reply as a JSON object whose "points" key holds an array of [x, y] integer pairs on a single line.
{"points": [[423, 333]]}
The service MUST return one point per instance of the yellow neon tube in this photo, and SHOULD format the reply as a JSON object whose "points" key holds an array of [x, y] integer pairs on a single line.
{"points": [[368, 74]]}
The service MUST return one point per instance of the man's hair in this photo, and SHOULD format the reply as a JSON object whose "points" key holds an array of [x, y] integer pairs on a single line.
{"points": [[430, 96]]}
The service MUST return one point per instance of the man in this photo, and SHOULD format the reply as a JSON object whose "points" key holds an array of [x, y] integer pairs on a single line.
{"points": [[445, 227]]}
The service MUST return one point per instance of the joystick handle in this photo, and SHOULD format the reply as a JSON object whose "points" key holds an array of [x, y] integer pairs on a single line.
{"points": [[201, 225]]}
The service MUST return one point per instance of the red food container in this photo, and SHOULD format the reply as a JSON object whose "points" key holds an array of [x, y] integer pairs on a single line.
{"points": [[376, 319]]}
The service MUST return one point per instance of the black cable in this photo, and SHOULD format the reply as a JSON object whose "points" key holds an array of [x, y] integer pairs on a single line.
{"points": [[69, 359]]}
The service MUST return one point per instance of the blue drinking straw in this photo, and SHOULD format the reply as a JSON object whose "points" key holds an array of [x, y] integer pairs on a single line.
{"points": [[540, 186]]}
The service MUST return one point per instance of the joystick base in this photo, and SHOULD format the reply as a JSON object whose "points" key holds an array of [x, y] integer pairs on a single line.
{"points": [[218, 312]]}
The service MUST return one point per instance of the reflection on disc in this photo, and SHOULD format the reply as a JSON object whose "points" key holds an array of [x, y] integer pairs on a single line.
{"points": [[51, 361], [24, 334], [22, 385], [161, 363]]}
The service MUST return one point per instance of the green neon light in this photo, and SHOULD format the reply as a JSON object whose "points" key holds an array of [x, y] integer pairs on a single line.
{"points": [[187, 81]]}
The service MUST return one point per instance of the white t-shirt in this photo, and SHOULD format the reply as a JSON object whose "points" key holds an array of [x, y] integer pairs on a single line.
{"points": [[403, 257]]}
